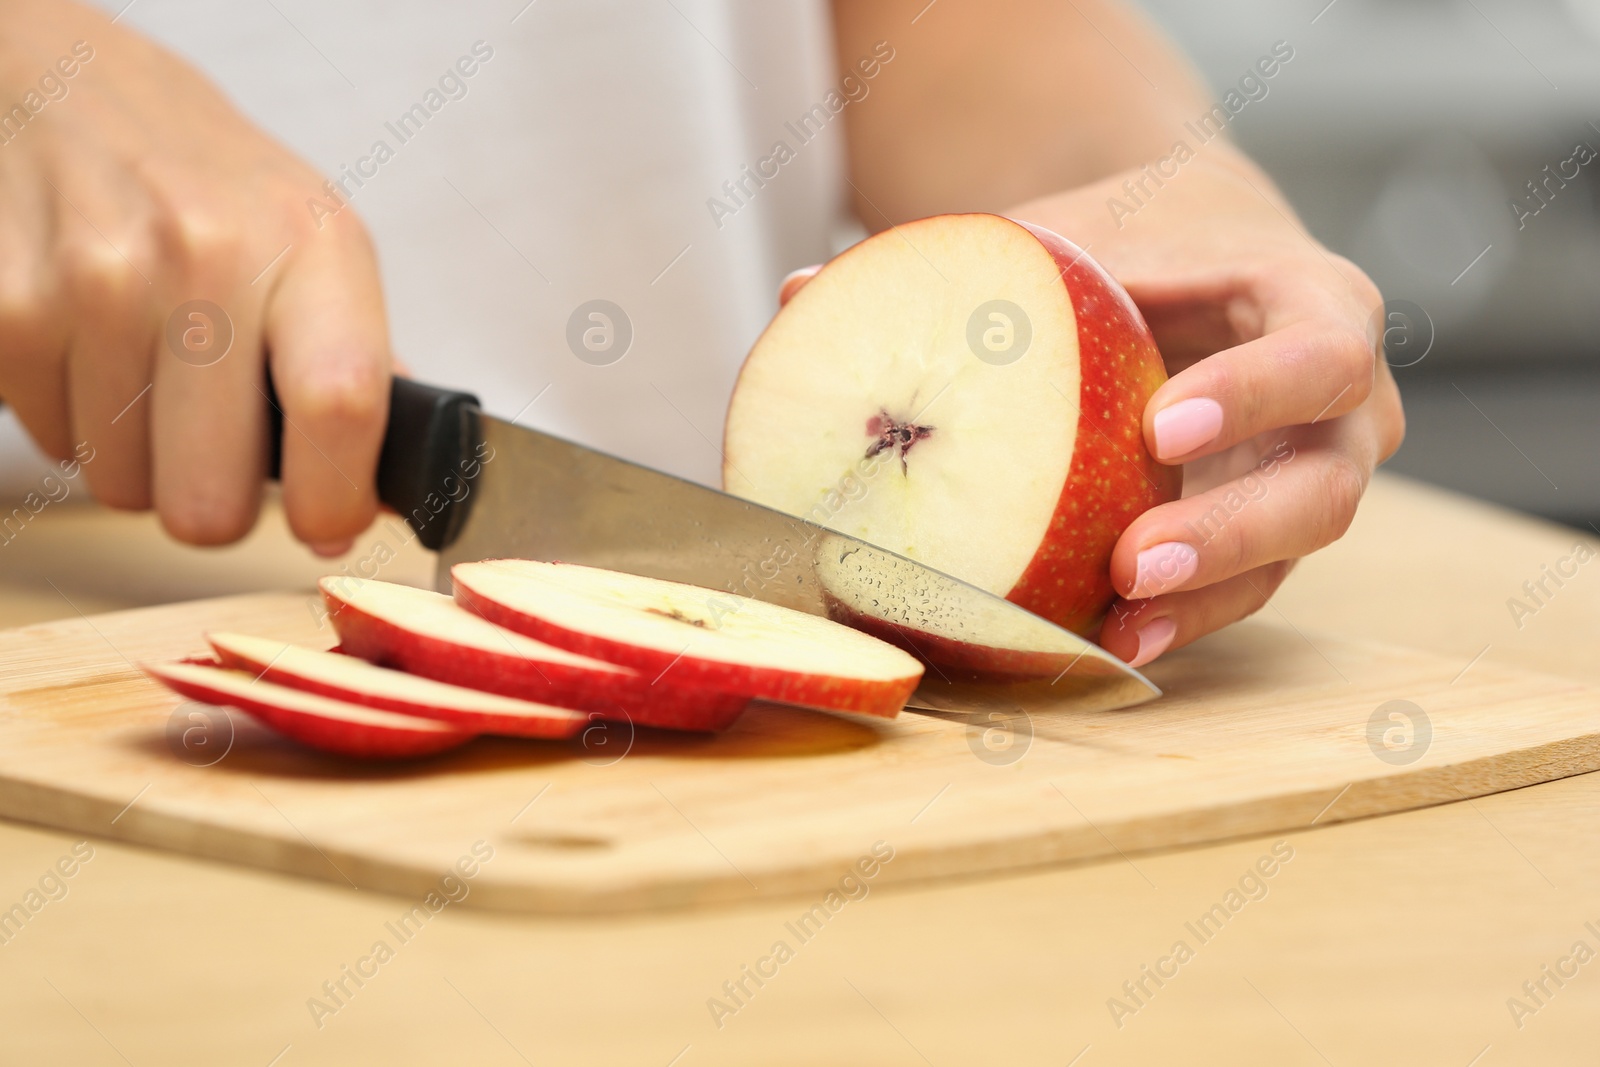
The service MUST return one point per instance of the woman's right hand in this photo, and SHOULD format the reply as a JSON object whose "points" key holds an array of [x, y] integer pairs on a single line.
{"points": [[143, 221]]}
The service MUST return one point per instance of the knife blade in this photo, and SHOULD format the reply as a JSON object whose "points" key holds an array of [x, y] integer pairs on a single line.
{"points": [[478, 487]]}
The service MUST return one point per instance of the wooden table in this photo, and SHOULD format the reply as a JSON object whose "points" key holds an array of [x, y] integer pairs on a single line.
{"points": [[1394, 940]]}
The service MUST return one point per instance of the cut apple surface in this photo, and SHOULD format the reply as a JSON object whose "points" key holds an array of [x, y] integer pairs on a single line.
{"points": [[320, 722], [702, 636], [988, 640], [967, 391], [428, 634], [355, 680]]}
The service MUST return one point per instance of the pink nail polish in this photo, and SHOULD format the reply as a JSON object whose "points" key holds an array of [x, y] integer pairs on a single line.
{"points": [[1154, 639], [1186, 426], [1163, 568], [797, 274], [793, 281]]}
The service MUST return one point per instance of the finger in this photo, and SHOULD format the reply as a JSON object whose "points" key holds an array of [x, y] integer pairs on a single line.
{"points": [[1307, 372], [794, 281], [33, 384], [1388, 414], [33, 380], [208, 437], [329, 345], [1138, 631], [108, 373], [33, 339], [1291, 504]]}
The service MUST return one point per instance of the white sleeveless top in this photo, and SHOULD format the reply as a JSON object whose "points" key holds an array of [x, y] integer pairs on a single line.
{"points": [[598, 150]]}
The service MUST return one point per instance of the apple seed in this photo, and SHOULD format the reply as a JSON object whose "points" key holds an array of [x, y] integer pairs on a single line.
{"points": [[888, 433]]}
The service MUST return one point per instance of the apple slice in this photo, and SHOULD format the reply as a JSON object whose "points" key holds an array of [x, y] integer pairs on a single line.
{"points": [[704, 636], [967, 391], [988, 642], [316, 721], [428, 634], [343, 677]]}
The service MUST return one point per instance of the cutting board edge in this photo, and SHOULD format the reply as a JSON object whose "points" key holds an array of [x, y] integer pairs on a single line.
{"points": [[1051, 848]]}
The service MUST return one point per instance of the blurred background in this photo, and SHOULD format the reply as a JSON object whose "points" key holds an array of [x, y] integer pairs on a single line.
{"points": [[1405, 131]]}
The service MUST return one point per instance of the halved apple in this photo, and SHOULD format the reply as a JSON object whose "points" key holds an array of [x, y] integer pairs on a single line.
{"points": [[967, 391], [428, 634], [701, 636], [319, 722], [342, 677]]}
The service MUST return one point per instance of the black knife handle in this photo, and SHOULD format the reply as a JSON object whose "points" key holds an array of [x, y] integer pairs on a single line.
{"points": [[430, 457]]}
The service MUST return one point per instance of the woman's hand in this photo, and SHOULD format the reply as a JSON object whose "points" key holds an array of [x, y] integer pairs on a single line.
{"points": [[129, 189], [1279, 405]]}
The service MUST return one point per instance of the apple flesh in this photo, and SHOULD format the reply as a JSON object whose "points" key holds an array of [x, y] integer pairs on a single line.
{"points": [[427, 634], [355, 680], [701, 636], [988, 641], [318, 722], [967, 391]]}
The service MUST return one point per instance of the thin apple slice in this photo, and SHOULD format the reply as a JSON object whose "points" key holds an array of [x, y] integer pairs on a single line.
{"points": [[704, 636], [989, 642], [348, 678], [428, 634], [319, 722]]}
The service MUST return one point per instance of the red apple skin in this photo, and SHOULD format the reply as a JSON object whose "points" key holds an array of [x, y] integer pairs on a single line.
{"points": [[616, 695], [535, 726], [883, 699], [353, 739], [1113, 478]]}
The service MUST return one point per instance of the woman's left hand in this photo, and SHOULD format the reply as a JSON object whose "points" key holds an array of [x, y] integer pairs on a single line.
{"points": [[1278, 407]]}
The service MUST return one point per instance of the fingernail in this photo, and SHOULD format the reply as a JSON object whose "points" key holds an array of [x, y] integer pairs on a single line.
{"points": [[1163, 567], [1186, 426], [1154, 639], [329, 549], [794, 280]]}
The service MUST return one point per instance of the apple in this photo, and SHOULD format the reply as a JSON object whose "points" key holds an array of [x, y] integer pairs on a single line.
{"points": [[967, 391], [427, 634], [988, 641], [700, 636], [355, 680], [316, 721]]}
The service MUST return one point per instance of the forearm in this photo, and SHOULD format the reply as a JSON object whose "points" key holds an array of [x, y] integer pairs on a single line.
{"points": [[989, 103]]}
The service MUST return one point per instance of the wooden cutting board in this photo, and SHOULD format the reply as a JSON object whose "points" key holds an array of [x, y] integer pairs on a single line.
{"points": [[1264, 730]]}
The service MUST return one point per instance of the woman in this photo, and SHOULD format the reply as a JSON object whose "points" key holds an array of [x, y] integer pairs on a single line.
{"points": [[520, 161]]}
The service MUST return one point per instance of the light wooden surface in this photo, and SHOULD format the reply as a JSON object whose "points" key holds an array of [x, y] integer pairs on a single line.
{"points": [[1264, 729], [1389, 940]]}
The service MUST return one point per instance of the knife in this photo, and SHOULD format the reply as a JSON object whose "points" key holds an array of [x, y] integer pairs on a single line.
{"points": [[474, 487]]}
